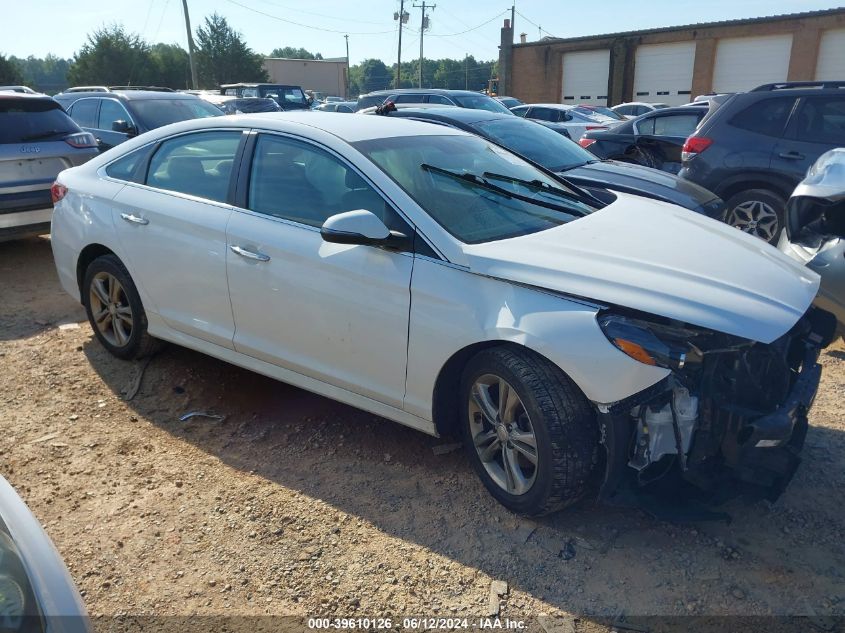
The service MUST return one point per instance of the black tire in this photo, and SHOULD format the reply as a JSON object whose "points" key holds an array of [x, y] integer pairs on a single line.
{"points": [[562, 420], [752, 211], [138, 342]]}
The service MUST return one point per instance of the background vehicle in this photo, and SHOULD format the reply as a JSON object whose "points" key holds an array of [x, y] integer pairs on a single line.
{"points": [[288, 97], [814, 232], [561, 155], [114, 117], [73, 89], [653, 140], [37, 141], [756, 147], [509, 102], [634, 109], [572, 121], [459, 98], [541, 318], [602, 110], [37, 594], [23, 89], [338, 106], [238, 105]]}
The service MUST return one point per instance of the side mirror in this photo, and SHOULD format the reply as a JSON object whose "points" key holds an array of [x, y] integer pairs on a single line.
{"points": [[124, 127], [361, 227]]}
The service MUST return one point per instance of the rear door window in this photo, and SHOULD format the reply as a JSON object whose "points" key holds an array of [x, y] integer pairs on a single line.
{"points": [[23, 119], [84, 112], [675, 125], [544, 114], [439, 99], [821, 120], [407, 99], [767, 117], [645, 126], [197, 164]]}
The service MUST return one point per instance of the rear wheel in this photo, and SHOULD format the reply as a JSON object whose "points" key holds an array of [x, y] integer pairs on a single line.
{"points": [[529, 432], [114, 309], [758, 212]]}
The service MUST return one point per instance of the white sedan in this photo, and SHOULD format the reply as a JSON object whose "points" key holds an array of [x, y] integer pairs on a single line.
{"points": [[433, 278]]}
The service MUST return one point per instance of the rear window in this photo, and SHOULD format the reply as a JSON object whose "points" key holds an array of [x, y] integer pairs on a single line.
{"points": [[370, 101], [23, 120], [481, 102], [155, 113], [765, 117]]}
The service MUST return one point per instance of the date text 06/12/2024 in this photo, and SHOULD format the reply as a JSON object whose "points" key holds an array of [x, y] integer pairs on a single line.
{"points": [[416, 624]]}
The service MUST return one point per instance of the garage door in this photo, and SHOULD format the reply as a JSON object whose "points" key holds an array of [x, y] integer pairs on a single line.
{"points": [[663, 73], [831, 63], [585, 76], [744, 63]]}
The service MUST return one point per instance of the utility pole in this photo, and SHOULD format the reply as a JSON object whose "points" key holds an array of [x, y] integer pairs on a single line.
{"points": [[347, 65], [191, 55], [402, 16], [423, 27]]}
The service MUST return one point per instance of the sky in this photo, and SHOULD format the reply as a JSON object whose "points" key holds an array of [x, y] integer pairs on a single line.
{"points": [[457, 27]]}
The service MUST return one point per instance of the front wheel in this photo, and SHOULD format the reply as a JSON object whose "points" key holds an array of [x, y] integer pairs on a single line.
{"points": [[530, 434], [758, 212]]}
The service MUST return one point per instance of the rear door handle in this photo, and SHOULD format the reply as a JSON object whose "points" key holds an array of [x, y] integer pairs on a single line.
{"points": [[791, 155], [134, 219], [261, 257]]}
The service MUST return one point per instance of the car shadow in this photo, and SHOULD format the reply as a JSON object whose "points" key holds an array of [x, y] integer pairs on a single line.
{"points": [[590, 559], [27, 273]]}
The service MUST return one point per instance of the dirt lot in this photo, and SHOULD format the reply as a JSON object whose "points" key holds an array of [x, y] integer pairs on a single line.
{"points": [[298, 505]]}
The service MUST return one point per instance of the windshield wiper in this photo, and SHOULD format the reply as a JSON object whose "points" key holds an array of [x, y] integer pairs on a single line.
{"points": [[539, 185], [483, 183], [47, 134]]}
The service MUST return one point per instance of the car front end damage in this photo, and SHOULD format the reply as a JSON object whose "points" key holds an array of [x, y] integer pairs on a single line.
{"points": [[730, 420]]}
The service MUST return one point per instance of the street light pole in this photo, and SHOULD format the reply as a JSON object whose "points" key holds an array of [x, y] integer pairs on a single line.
{"points": [[191, 56], [401, 17], [347, 65]]}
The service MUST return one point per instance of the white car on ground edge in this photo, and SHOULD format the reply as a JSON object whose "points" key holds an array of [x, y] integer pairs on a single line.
{"points": [[433, 278]]}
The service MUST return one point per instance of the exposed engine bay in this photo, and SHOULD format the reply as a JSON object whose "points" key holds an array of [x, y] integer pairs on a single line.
{"points": [[731, 418]]}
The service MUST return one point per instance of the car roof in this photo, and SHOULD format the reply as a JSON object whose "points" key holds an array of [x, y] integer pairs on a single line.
{"points": [[423, 91], [128, 95], [462, 115], [556, 106], [675, 110], [348, 128], [24, 95]]}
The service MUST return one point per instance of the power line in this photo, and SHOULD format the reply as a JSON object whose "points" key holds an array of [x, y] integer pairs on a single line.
{"points": [[539, 28], [495, 17], [319, 15], [306, 26]]}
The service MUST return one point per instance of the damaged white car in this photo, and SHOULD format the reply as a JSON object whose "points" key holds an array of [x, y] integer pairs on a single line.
{"points": [[433, 278]]}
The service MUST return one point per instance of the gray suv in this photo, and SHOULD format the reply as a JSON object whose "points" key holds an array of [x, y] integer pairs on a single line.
{"points": [[37, 141]]}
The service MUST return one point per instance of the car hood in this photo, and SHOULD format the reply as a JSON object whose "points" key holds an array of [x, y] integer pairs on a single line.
{"points": [[643, 181], [661, 259]]}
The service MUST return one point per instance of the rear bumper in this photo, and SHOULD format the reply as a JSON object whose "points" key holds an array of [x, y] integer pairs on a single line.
{"points": [[25, 223]]}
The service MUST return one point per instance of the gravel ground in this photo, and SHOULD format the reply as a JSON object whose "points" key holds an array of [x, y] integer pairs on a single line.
{"points": [[296, 505]]}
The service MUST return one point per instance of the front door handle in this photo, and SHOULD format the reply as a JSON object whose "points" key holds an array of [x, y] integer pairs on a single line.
{"points": [[134, 219], [261, 257], [791, 155]]}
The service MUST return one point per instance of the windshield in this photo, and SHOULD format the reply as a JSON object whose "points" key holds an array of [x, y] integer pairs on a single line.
{"points": [[286, 94], [158, 112], [536, 142], [481, 102], [475, 190], [33, 119]]}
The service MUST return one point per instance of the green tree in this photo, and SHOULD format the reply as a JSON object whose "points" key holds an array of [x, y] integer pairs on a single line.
{"points": [[112, 56], [47, 75], [172, 66], [223, 56], [10, 73], [369, 75], [290, 52]]}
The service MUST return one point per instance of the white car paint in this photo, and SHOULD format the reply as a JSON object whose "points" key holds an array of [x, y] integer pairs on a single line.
{"points": [[374, 328]]}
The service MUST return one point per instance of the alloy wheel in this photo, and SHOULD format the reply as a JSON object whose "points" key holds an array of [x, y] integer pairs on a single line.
{"points": [[110, 309], [755, 217], [502, 434]]}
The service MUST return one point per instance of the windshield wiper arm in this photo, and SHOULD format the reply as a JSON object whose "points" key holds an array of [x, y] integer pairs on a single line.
{"points": [[539, 185], [47, 134], [472, 179]]}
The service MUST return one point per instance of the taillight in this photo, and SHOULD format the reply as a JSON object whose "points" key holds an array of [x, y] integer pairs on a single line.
{"points": [[57, 191], [694, 145], [586, 142], [596, 127], [81, 139]]}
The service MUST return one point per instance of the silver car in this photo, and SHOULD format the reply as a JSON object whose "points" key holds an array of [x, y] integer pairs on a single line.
{"points": [[37, 594], [815, 229], [37, 141]]}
